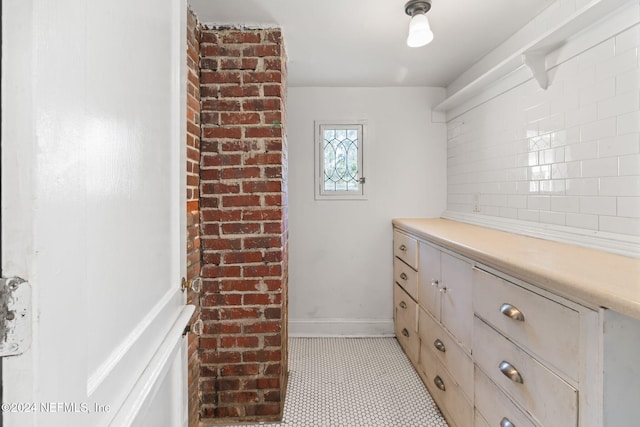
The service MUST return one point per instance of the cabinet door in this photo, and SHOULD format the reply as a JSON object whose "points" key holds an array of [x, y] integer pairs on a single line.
{"points": [[456, 306], [429, 279]]}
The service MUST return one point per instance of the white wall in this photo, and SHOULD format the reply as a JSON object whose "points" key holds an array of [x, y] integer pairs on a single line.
{"points": [[566, 158], [340, 252]]}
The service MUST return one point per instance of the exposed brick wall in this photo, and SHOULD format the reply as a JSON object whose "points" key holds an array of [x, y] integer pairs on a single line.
{"points": [[193, 207], [243, 209]]}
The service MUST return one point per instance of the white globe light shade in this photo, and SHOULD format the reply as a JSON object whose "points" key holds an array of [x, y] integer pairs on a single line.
{"points": [[419, 31]]}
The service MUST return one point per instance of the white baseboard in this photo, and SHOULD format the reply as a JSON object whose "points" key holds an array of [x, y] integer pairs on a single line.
{"points": [[341, 328], [609, 242]]}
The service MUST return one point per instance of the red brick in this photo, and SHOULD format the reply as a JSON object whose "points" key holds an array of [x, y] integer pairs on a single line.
{"points": [[262, 327], [222, 132], [239, 313], [208, 343], [260, 77], [240, 200], [235, 37], [242, 257], [240, 172], [263, 132], [233, 91], [272, 396], [262, 50], [218, 188], [276, 200], [261, 299], [213, 271], [220, 105], [225, 384], [239, 370], [261, 242], [273, 172], [239, 342], [272, 340], [261, 104], [266, 214], [221, 243], [239, 64], [222, 328], [261, 271], [208, 77], [219, 300], [239, 397], [227, 119], [262, 186], [241, 228], [221, 356], [272, 90], [273, 313]]}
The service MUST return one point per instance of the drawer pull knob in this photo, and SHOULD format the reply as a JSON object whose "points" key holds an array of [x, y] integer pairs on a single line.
{"points": [[403, 276], [434, 282], [443, 289], [439, 383], [403, 248], [510, 372], [506, 423], [403, 304], [512, 312], [405, 332], [439, 345]]}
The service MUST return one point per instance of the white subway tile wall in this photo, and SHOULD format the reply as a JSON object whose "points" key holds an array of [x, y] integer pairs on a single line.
{"points": [[568, 155]]}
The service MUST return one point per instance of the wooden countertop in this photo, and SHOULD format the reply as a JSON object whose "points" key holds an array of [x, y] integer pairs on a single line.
{"points": [[596, 278]]}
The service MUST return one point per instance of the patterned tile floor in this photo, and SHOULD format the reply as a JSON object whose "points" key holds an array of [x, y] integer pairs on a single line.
{"points": [[354, 382]]}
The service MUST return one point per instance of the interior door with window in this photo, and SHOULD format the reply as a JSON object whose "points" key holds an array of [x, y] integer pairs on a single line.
{"points": [[93, 217]]}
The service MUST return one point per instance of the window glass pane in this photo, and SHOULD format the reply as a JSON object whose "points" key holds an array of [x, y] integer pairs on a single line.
{"points": [[341, 160]]}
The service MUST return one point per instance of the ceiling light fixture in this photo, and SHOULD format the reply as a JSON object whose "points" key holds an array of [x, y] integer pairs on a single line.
{"points": [[420, 32]]}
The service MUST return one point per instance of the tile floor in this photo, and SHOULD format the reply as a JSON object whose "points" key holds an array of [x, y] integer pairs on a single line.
{"points": [[354, 382]]}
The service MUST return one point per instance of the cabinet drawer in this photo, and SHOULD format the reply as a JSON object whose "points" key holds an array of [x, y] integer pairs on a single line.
{"points": [[541, 393], [406, 277], [494, 405], [548, 329], [405, 323], [405, 248], [450, 354], [451, 401]]}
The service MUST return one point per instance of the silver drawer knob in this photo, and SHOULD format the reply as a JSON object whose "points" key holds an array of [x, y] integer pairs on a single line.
{"points": [[434, 282], [506, 423], [439, 345], [512, 312], [510, 372], [439, 383], [403, 276]]}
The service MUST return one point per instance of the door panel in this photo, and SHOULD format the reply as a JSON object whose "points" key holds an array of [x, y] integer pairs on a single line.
{"points": [[93, 211]]}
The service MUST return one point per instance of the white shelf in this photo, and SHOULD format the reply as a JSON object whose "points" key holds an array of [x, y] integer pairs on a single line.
{"points": [[533, 55]]}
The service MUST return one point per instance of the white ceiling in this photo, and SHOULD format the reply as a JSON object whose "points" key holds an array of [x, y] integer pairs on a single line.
{"points": [[363, 42]]}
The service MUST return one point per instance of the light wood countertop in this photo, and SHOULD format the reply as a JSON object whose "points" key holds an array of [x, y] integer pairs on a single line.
{"points": [[596, 278]]}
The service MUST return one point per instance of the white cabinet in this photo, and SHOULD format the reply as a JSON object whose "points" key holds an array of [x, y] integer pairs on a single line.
{"points": [[497, 350], [444, 290], [433, 289]]}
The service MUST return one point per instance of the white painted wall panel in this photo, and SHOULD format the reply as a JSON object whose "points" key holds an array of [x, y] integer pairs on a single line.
{"points": [[340, 270]]}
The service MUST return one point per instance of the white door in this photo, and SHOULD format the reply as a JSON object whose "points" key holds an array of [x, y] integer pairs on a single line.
{"points": [[93, 207]]}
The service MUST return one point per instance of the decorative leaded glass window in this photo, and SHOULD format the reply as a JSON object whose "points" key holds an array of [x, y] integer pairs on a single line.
{"points": [[339, 169]]}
